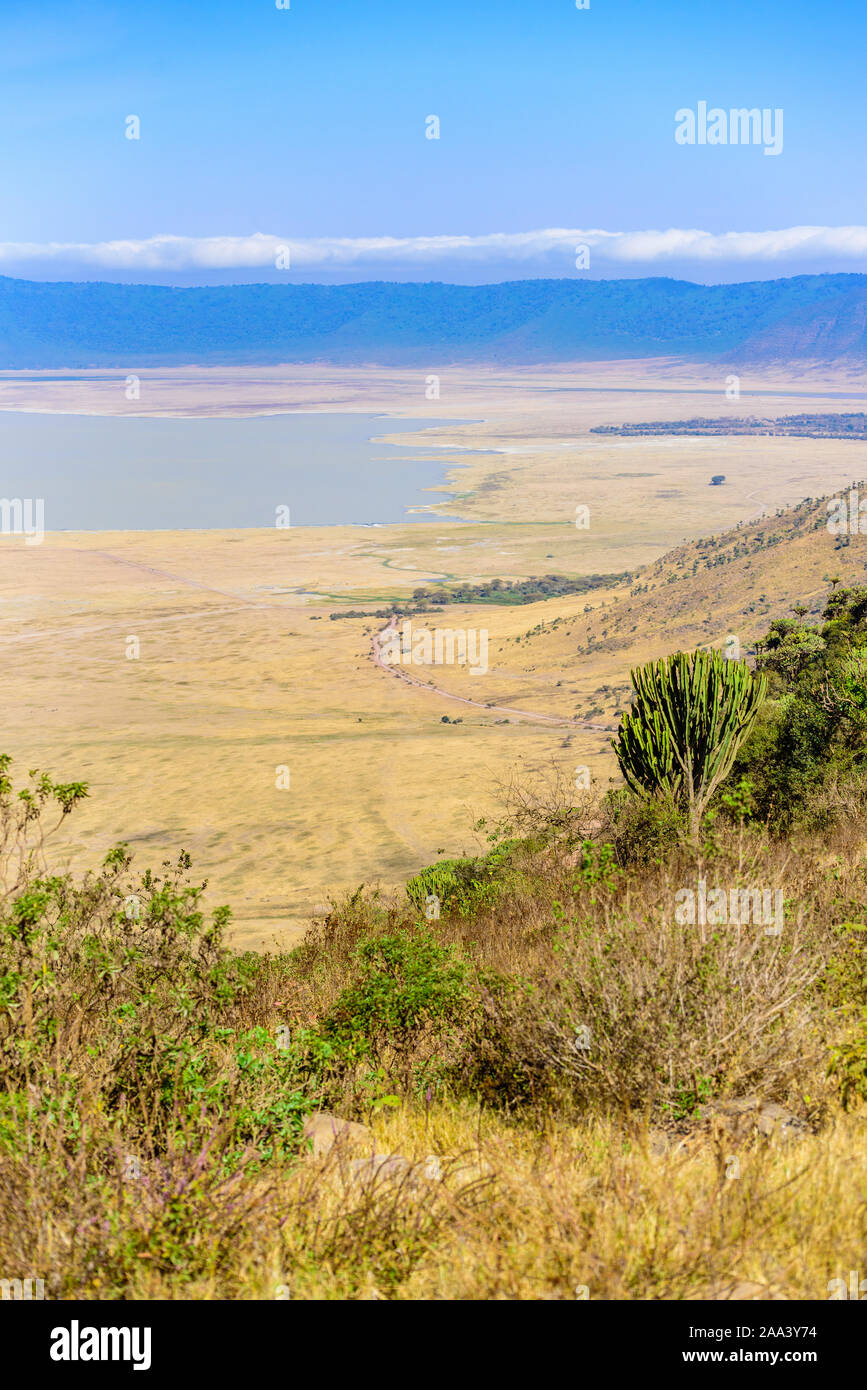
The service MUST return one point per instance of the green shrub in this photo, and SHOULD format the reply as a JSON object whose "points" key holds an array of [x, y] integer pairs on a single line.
{"points": [[643, 830], [811, 736], [401, 1010], [848, 1065], [118, 996], [466, 886]]}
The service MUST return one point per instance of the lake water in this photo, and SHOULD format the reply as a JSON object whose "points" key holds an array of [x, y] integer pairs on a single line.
{"points": [[102, 473]]}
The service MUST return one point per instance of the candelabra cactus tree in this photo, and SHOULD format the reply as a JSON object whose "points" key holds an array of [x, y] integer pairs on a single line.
{"points": [[690, 715]]}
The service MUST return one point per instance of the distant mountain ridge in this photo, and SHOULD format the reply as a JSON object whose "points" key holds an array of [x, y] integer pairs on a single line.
{"points": [[98, 324]]}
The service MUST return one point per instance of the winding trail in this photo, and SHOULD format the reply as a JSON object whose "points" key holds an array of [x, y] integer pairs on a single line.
{"points": [[390, 630]]}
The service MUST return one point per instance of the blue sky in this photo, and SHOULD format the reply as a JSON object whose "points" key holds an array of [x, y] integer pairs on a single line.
{"points": [[307, 126]]}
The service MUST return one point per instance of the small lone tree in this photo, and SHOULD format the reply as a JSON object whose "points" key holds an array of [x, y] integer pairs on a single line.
{"points": [[690, 715]]}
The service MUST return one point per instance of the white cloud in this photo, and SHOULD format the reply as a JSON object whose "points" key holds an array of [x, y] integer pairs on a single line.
{"points": [[555, 245]]}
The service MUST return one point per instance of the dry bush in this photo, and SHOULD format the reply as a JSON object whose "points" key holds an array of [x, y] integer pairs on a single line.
{"points": [[591, 995]]}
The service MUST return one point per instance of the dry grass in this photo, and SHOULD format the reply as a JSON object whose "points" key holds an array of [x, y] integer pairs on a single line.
{"points": [[519, 1213]]}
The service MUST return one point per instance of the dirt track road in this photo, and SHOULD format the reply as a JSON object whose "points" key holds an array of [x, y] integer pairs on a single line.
{"points": [[389, 631]]}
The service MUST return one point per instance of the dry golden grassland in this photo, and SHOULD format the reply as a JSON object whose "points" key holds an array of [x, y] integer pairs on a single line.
{"points": [[592, 1212], [241, 672], [565, 1212]]}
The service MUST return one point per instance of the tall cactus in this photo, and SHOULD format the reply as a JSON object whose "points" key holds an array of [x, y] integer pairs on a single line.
{"points": [[690, 715]]}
